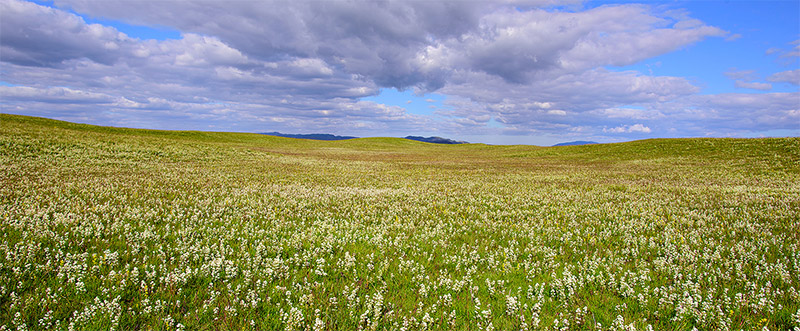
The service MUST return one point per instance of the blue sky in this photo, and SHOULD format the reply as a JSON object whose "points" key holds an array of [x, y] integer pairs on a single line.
{"points": [[755, 27], [519, 72], [157, 31]]}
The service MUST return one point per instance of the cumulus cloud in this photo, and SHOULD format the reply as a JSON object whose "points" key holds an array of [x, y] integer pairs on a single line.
{"points": [[737, 113], [790, 76], [591, 99], [199, 78], [378, 40], [404, 44], [628, 113], [512, 67], [746, 79], [53, 95], [34, 35], [636, 128], [521, 46]]}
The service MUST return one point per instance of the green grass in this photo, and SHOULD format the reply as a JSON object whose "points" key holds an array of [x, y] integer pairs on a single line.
{"points": [[110, 228]]}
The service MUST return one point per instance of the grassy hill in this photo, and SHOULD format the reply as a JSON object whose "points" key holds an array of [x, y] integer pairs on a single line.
{"points": [[142, 229]]}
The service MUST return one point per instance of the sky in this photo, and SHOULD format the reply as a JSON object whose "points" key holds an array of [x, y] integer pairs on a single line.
{"points": [[534, 72]]}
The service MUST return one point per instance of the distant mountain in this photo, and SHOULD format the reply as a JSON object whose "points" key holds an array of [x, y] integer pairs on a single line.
{"points": [[575, 143], [313, 136], [436, 140], [326, 136]]}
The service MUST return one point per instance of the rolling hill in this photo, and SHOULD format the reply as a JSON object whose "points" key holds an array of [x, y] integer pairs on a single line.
{"points": [[120, 228]]}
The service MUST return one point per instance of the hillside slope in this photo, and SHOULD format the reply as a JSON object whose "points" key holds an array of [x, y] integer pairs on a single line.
{"points": [[143, 229]]}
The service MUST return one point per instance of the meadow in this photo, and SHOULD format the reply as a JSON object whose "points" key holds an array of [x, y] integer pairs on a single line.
{"points": [[127, 229]]}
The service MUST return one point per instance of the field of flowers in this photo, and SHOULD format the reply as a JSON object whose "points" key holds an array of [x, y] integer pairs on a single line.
{"points": [[109, 228]]}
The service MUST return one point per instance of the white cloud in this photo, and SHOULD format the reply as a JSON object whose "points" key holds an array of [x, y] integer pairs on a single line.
{"points": [[636, 128], [52, 95], [405, 44], [594, 98], [639, 128], [790, 76], [746, 79], [35, 35], [794, 51], [733, 37], [753, 85], [306, 65], [629, 113], [741, 74]]}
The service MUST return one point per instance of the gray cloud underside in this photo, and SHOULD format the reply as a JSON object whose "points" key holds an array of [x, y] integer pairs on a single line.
{"points": [[303, 66]]}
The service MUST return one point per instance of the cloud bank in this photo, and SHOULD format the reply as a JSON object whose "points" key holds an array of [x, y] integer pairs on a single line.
{"points": [[507, 68]]}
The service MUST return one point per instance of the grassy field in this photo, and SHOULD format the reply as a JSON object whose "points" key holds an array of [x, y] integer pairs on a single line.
{"points": [[110, 228]]}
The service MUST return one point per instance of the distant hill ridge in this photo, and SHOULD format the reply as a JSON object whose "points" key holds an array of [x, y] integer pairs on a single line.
{"points": [[327, 136], [436, 140], [313, 136], [576, 143]]}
